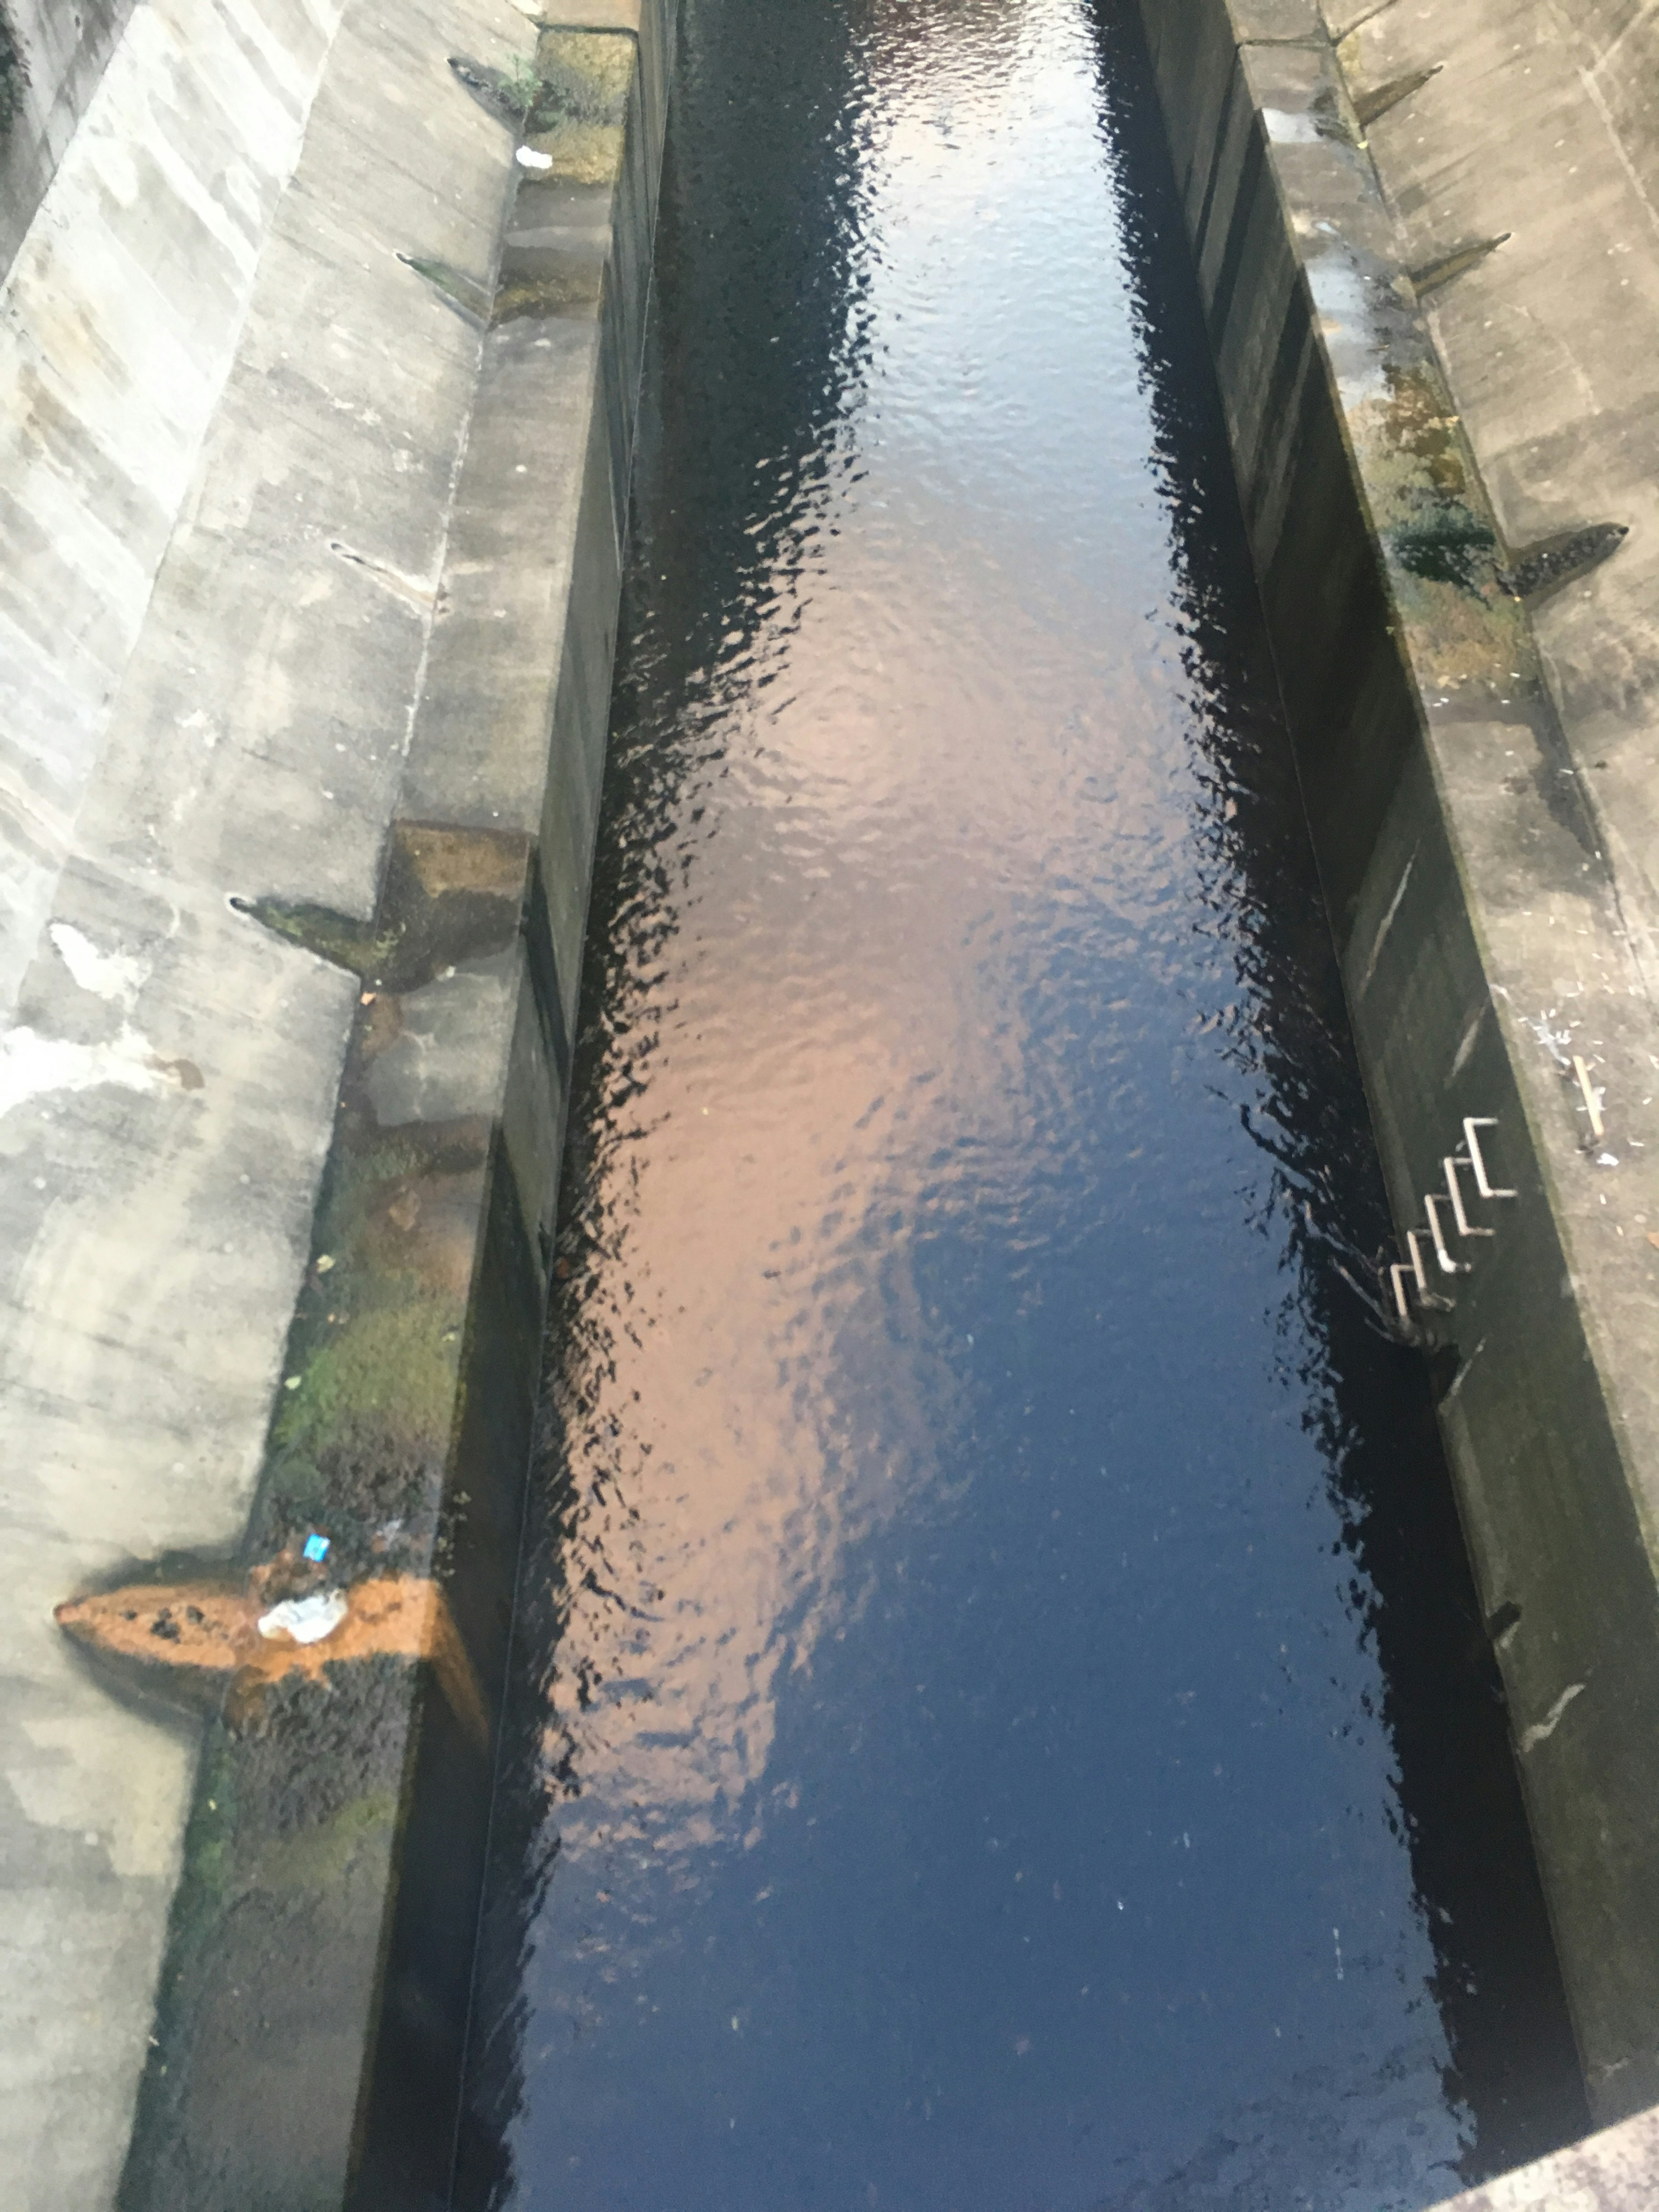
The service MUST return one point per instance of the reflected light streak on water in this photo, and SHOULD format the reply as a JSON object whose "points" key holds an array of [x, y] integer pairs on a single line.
{"points": [[969, 1753]]}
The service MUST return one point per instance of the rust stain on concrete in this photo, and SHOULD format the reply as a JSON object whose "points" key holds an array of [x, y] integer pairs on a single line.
{"points": [[197, 1640]]}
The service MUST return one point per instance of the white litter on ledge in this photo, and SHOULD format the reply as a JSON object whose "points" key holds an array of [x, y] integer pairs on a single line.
{"points": [[528, 158], [307, 1619]]}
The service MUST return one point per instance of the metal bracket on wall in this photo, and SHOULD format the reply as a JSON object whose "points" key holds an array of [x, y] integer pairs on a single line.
{"points": [[1409, 1278], [1451, 1163], [1426, 1296], [1482, 1183], [1432, 1203]]}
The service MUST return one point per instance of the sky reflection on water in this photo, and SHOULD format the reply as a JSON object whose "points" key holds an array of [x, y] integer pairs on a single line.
{"points": [[961, 1764]]}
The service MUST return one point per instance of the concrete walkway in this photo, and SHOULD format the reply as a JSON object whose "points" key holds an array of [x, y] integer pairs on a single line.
{"points": [[241, 350]]}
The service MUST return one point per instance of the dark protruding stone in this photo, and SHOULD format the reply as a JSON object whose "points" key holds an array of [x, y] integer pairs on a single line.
{"points": [[450, 896], [464, 293], [1500, 1621], [201, 1643], [320, 930], [506, 98], [1433, 273], [1368, 106], [577, 75], [1446, 545], [1554, 561]]}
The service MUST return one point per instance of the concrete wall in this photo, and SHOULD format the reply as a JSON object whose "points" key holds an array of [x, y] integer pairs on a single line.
{"points": [[1469, 691], [123, 309], [315, 415], [51, 56]]}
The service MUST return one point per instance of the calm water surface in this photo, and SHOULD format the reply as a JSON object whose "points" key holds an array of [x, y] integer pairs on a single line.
{"points": [[1003, 1722]]}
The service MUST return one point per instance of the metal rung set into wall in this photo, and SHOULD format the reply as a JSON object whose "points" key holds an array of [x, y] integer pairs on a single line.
{"points": [[1467, 1160]]}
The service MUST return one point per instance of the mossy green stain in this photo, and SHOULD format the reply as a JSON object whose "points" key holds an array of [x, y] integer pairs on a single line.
{"points": [[325, 1857], [1447, 545], [582, 76], [357, 947], [386, 1379]]}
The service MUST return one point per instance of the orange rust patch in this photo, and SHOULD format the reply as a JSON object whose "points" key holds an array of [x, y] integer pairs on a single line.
{"points": [[211, 1630]]}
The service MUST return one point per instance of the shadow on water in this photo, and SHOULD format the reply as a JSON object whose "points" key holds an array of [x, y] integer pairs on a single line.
{"points": [[769, 331]]}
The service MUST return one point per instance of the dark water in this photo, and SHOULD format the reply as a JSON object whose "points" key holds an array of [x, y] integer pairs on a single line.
{"points": [[1003, 1720]]}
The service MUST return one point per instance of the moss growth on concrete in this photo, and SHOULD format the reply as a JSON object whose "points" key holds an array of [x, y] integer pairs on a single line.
{"points": [[385, 1380], [1444, 554], [332, 937], [582, 153], [583, 76]]}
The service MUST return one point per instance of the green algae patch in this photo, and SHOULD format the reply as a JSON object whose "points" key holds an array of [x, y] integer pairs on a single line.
{"points": [[386, 1378], [584, 77], [375, 1381], [1444, 558], [573, 289], [318, 929], [578, 116], [325, 1856]]}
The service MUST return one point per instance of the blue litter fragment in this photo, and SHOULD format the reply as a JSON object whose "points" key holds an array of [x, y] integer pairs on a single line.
{"points": [[316, 1547]]}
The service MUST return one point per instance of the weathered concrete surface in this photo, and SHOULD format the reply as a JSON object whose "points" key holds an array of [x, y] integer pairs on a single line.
{"points": [[1611, 2172], [1452, 686], [52, 57], [299, 524], [170, 1076], [1540, 125], [123, 312]]}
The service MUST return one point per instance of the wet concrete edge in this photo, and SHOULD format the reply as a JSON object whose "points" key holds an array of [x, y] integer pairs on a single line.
{"points": [[1413, 686], [312, 2007]]}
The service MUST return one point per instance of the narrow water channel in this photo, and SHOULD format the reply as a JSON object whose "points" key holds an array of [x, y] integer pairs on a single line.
{"points": [[1002, 1721]]}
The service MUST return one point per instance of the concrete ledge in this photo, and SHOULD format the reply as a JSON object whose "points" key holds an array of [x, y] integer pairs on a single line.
{"points": [[314, 1998], [1489, 934], [1611, 2172], [297, 976]]}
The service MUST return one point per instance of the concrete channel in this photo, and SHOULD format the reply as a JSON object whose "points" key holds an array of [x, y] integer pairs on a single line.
{"points": [[316, 412]]}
